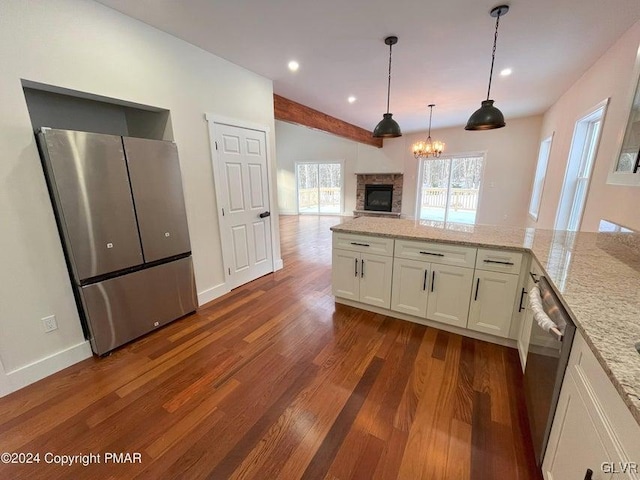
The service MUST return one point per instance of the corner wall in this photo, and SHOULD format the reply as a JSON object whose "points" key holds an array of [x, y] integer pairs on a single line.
{"points": [[84, 46], [611, 76]]}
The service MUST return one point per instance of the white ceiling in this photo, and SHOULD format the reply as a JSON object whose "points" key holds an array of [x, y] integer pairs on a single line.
{"points": [[443, 54]]}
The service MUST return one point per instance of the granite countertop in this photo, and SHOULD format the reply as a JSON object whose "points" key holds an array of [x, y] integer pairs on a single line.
{"points": [[596, 274]]}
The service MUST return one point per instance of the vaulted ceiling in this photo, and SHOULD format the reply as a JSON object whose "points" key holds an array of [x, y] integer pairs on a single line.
{"points": [[442, 57]]}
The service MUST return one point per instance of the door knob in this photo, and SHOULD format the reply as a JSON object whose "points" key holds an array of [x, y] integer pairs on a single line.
{"points": [[265, 214]]}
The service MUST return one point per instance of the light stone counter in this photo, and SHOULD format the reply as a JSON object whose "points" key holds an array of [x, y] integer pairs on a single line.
{"points": [[596, 274]]}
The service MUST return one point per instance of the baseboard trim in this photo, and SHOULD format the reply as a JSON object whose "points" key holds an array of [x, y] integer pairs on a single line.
{"points": [[23, 376], [505, 342], [212, 293]]}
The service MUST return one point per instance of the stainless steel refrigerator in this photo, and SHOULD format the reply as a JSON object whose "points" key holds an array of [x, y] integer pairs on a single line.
{"points": [[120, 211]]}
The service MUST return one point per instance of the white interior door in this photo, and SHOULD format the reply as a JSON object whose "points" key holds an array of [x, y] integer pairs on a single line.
{"points": [[244, 194]]}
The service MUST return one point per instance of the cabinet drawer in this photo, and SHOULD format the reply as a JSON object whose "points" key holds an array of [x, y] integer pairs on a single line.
{"points": [[442, 253], [499, 261], [363, 243]]}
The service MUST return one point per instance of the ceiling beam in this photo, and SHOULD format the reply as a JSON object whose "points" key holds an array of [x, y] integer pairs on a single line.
{"points": [[293, 112]]}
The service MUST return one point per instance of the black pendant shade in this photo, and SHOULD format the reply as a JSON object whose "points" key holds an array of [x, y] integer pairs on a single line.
{"points": [[388, 127], [488, 117]]}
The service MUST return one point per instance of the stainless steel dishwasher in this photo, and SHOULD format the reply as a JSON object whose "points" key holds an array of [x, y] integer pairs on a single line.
{"points": [[547, 360]]}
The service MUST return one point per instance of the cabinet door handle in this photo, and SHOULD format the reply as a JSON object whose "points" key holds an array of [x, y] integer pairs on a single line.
{"points": [[520, 308], [424, 284], [588, 474], [534, 277], [433, 279], [434, 254], [477, 288], [356, 262], [362, 268], [360, 244], [498, 261]]}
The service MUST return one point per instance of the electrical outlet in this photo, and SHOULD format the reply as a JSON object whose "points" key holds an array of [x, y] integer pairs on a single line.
{"points": [[50, 323]]}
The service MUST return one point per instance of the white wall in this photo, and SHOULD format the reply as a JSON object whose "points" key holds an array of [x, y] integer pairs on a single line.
{"points": [[511, 153], [302, 144], [84, 46], [611, 76]]}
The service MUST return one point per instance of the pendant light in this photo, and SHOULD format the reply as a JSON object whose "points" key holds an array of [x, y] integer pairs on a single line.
{"points": [[428, 148], [388, 127], [488, 117]]}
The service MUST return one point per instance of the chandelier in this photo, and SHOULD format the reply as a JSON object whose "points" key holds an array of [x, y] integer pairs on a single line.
{"points": [[428, 148]]}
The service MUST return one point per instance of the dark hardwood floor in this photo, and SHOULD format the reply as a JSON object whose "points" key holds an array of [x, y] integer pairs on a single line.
{"points": [[275, 380]]}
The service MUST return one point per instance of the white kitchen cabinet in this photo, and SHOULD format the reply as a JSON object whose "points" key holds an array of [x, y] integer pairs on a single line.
{"points": [[592, 427], [362, 276], [430, 290], [410, 293], [431, 281], [579, 446], [345, 274], [449, 294], [375, 279], [492, 303]]}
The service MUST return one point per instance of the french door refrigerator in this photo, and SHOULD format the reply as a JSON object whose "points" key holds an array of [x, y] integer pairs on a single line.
{"points": [[120, 211]]}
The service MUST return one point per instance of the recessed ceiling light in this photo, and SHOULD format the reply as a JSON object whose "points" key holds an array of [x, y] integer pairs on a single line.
{"points": [[351, 99], [506, 72], [294, 66]]}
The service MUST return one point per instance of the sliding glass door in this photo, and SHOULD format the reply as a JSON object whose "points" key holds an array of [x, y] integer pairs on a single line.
{"points": [[450, 189], [319, 187]]}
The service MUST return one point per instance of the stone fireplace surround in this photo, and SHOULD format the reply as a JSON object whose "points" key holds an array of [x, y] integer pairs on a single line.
{"points": [[363, 179]]}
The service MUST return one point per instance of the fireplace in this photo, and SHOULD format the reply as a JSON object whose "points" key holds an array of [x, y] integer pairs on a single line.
{"points": [[378, 198]]}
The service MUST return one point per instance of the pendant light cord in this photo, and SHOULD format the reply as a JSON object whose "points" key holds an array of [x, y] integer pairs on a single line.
{"points": [[430, 115], [389, 82], [493, 55]]}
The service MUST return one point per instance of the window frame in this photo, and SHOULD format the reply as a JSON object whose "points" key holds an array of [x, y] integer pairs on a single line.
{"points": [[579, 153], [450, 157], [540, 176], [320, 162]]}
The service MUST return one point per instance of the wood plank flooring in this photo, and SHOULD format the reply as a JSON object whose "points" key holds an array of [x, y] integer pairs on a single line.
{"points": [[276, 381]]}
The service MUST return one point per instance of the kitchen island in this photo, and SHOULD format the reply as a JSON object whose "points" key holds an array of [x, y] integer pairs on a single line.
{"points": [[597, 277]]}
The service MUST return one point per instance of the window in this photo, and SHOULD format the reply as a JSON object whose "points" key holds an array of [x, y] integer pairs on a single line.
{"points": [[449, 188], [319, 187], [538, 181], [586, 136]]}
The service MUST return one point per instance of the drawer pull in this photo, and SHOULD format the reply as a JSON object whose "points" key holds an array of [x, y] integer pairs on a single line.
{"points": [[498, 261], [434, 254], [360, 244]]}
